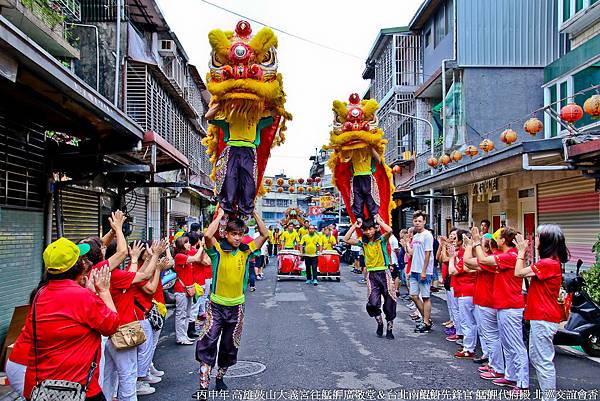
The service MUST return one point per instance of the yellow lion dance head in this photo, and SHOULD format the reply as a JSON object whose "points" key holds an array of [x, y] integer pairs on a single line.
{"points": [[243, 79], [355, 126]]}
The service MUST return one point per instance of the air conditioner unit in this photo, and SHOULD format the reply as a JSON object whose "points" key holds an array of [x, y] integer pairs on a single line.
{"points": [[167, 48]]}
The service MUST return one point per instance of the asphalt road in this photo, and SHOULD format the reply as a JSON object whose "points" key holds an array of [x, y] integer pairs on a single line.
{"points": [[317, 342]]}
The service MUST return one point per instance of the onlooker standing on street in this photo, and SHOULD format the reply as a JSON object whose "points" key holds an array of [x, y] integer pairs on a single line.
{"points": [[377, 264], [542, 309], [484, 227], [198, 270], [271, 241], [394, 266], [66, 320], [184, 288], [421, 270], [509, 300], [276, 235]]}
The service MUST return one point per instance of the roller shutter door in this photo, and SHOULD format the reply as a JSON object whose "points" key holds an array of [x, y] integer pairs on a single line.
{"points": [[22, 197], [81, 213], [136, 207], [575, 206]]}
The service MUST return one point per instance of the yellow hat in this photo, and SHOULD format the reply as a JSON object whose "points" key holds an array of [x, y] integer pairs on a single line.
{"points": [[62, 254], [496, 235]]}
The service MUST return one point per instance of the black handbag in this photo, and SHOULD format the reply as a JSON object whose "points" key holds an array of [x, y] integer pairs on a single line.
{"points": [[58, 390], [155, 319]]}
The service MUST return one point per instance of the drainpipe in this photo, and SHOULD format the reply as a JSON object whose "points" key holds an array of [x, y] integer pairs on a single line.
{"points": [[118, 53], [97, 51], [527, 167], [454, 53]]}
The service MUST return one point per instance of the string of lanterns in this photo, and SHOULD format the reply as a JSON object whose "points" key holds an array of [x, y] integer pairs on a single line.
{"points": [[570, 114], [293, 185]]}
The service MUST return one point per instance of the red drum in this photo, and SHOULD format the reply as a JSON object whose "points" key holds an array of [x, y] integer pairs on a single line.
{"points": [[329, 264], [289, 262]]}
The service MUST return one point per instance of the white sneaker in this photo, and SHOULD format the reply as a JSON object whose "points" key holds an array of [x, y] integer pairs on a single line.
{"points": [[151, 379], [155, 372], [142, 388], [185, 342]]}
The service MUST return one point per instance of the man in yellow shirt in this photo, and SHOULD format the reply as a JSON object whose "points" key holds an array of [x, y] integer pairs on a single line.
{"points": [[302, 231], [230, 259], [377, 262], [311, 246], [327, 239], [271, 241], [289, 239]]}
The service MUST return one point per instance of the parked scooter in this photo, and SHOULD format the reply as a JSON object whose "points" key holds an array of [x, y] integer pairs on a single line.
{"points": [[583, 324]]}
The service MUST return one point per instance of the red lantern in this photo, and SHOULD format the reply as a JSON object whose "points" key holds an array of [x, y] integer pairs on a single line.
{"points": [[317, 189], [486, 145], [396, 169], [571, 113], [300, 189], [533, 126], [280, 181], [471, 151], [317, 179], [291, 181], [291, 189], [456, 156], [301, 180], [279, 189], [309, 180], [592, 106], [432, 161], [268, 189], [268, 181], [445, 159], [508, 136], [309, 189]]}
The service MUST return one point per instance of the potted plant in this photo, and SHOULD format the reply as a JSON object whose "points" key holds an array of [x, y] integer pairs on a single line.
{"points": [[592, 275]]}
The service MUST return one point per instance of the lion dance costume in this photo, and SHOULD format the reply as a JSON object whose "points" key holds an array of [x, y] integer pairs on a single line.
{"points": [[246, 113], [357, 162]]}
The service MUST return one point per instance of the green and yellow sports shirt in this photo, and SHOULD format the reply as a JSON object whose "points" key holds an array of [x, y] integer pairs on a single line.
{"points": [[328, 242], [309, 244], [376, 254], [230, 273], [290, 239]]}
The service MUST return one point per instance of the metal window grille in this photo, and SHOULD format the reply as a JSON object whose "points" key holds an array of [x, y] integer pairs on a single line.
{"points": [[383, 72], [409, 68], [22, 161]]}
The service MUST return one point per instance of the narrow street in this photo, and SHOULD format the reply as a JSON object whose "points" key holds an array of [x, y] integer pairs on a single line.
{"points": [[320, 338]]}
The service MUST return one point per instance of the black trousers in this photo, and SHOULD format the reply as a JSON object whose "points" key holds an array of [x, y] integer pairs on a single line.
{"points": [[311, 267]]}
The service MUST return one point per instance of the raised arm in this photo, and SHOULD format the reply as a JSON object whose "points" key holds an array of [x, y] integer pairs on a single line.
{"points": [[471, 264], [481, 256], [452, 270], [135, 250], [209, 236], [348, 237], [116, 222], [522, 246], [387, 230], [375, 155], [262, 230]]}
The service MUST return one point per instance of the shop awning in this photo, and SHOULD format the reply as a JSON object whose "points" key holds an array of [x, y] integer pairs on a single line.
{"points": [[41, 85], [498, 163], [168, 158]]}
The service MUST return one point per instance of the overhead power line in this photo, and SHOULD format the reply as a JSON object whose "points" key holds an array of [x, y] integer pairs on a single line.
{"points": [[312, 42]]}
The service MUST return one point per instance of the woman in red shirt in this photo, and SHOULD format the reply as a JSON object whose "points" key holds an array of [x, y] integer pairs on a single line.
{"points": [[509, 301], [183, 288], [453, 331], [69, 320], [464, 288], [542, 309]]}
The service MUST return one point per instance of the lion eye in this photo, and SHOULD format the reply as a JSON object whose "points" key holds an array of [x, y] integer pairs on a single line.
{"points": [[217, 61], [268, 58]]}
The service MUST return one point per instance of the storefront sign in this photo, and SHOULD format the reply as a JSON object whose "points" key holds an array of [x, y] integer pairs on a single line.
{"points": [[326, 201], [315, 210], [485, 187]]}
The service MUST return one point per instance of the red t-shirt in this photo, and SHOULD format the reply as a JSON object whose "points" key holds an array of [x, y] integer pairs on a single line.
{"points": [[464, 281], [508, 289], [121, 283], [184, 272], [201, 272], [484, 288], [159, 295], [142, 300], [69, 322], [542, 296], [445, 271], [20, 351]]}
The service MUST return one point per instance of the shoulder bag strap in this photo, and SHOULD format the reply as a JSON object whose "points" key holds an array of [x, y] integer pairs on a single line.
{"points": [[37, 381], [92, 369]]}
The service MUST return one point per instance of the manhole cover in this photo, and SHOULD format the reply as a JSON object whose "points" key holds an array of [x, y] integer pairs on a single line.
{"points": [[245, 368]]}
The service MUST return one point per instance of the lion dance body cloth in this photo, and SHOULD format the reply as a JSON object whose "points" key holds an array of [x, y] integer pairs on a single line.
{"points": [[357, 162], [246, 113]]}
